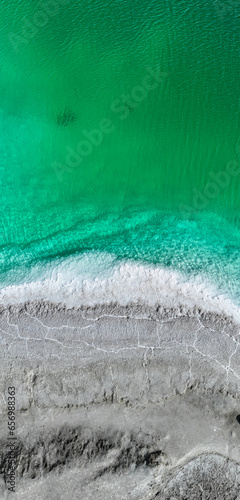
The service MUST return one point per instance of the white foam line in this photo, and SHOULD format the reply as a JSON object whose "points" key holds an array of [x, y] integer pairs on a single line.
{"points": [[72, 283]]}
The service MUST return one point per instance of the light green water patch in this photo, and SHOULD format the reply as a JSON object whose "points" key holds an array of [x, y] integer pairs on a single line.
{"points": [[169, 148]]}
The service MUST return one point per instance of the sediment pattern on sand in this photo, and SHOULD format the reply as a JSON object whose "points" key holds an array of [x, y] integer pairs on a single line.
{"points": [[134, 401]]}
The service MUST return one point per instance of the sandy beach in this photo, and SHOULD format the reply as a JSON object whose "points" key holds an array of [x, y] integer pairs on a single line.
{"points": [[121, 401]]}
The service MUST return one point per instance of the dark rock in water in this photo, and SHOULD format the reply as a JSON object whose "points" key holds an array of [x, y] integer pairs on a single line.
{"points": [[66, 117]]}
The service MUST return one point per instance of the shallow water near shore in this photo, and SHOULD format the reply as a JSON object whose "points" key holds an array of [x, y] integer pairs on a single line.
{"points": [[162, 186]]}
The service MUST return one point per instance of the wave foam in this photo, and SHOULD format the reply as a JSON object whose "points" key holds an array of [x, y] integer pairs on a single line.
{"points": [[96, 279]]}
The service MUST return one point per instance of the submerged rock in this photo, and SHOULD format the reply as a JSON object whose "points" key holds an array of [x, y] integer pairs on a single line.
{"points": [[66, 117]]}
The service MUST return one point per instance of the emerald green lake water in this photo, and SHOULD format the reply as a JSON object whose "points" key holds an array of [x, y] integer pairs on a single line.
{"points": [[120, 133]]}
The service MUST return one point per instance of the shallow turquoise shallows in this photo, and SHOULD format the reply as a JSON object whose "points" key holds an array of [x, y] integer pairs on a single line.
{"points": [[120, 133]]}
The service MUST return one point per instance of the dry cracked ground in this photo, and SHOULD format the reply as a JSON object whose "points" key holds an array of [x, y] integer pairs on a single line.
{"points": [[121, 403]]}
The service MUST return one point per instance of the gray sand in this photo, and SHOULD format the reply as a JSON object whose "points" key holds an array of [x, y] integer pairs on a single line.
{"points": [[121, 402]]}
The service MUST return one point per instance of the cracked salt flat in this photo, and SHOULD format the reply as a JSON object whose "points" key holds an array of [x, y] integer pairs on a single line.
{"points": [[29, 337]]}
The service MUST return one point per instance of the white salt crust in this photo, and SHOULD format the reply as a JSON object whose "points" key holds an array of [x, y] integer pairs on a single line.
{"points": [[97, 278]]}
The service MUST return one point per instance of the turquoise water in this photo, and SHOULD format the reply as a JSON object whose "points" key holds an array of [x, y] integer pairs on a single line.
{"points": [[120, 133]]}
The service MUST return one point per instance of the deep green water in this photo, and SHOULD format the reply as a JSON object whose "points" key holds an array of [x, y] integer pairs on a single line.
{"points": [[143, 192]]}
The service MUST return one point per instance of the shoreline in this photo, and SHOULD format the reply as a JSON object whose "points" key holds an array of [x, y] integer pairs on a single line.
{"points": [[98, 280]]}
